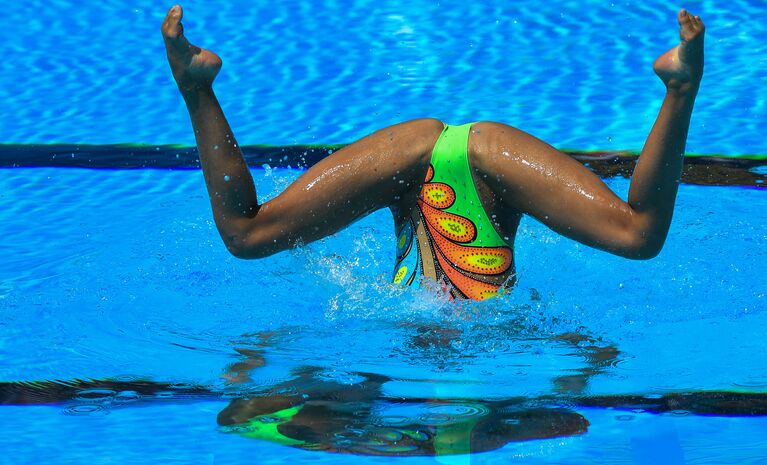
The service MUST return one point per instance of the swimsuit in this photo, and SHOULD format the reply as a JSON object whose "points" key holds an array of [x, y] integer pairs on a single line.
{"points": [[265, 427], [445, 439], [450, 237]]}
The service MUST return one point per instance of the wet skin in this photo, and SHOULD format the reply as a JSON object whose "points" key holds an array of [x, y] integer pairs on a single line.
{"points": [[514, 172]]}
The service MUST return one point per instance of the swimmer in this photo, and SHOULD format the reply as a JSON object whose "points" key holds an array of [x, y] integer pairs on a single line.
{"points": [[457, 193]]}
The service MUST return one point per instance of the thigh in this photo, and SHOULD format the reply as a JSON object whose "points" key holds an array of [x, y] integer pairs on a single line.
{"points": [[371, 173], [530, 176]]}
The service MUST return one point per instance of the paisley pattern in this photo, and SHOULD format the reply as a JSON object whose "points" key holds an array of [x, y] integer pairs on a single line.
{"points": [[449, 236], [453, 227], [462, 263], [438, 195], [408, 265], [481, 260]]}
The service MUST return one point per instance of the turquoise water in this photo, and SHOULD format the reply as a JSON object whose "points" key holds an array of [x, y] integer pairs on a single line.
{"points": [[577, 74], [120, 274]]}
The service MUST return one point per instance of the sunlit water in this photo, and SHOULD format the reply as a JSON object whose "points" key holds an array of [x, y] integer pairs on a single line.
{"points": [[122, 273], [576, 73]]}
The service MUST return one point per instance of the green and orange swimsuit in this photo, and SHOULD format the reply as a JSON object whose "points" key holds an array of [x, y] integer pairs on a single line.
{"points": [[449, 237]]}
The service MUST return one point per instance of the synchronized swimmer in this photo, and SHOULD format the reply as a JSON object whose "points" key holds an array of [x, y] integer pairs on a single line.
{"points": [[457, 193]]}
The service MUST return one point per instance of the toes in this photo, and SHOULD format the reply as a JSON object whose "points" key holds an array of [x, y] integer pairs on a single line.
{"points": [[696, 26], [690, 26], [175, 13], [171, 26]]}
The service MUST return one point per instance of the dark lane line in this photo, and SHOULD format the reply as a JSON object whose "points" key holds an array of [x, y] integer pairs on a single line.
{"points": [[711, 170]]}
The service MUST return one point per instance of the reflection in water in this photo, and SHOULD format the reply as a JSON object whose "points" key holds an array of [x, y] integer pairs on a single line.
{"points": [[314, 412], [322, 414]]}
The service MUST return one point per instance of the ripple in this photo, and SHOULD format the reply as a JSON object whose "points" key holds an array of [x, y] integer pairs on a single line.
{"points": [[400, 62], [391, 420], [90, 409], [460, 411], [126, 378], [436, 419], [126, 397], [95, 395]]}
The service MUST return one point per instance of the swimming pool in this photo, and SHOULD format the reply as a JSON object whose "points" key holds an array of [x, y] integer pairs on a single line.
{"points": [[119, 273]]}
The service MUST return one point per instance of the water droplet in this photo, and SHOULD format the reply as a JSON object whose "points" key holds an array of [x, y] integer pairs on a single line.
{"points": [[226, 178]]}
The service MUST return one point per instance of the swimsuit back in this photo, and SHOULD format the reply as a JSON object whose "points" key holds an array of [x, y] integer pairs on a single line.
{"points": [[450, 237]]}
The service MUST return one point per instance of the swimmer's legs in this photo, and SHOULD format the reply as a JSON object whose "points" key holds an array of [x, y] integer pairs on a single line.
{"points": [[656, 177], [532, 177], [230, 186], [375, 172]]}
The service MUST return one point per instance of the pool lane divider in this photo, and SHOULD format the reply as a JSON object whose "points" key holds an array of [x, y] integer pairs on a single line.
{"points": [[118, 392], [716, 170]]}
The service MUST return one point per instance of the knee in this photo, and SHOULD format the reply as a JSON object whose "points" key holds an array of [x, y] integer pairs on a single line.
{"points": [[246, 244], [643, 245], [248, 250]]}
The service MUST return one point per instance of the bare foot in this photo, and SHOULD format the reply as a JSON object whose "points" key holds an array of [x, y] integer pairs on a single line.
{"points": [[193, 67], [681, 68]]}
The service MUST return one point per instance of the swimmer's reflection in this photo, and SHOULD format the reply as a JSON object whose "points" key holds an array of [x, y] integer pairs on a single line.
{"points": [[316, 413], [312, 411]]}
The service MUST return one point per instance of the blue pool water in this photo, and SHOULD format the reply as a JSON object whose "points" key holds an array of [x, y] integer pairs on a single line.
{"points": [[575, 73], [120, 274]]}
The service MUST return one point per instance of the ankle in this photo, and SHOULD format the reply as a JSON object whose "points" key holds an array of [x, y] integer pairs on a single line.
{"points": [[195, 90], [196, 97], [682, 88]]}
